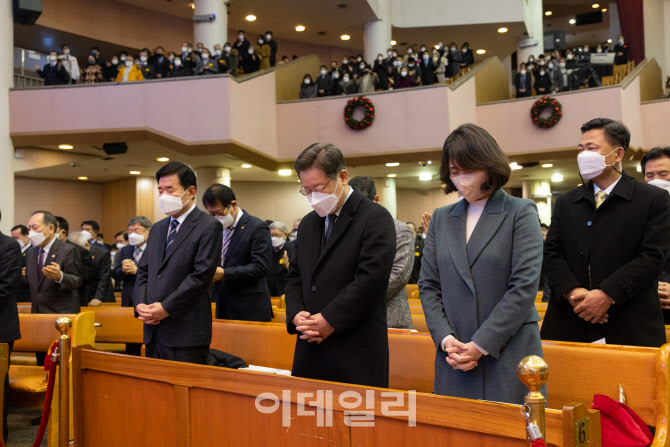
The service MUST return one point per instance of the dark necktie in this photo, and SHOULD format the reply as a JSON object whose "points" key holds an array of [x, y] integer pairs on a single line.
{"points": [[173, 232], [331, 225], [40, 261]]}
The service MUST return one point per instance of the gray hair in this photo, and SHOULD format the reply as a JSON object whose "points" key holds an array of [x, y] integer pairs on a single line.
{"points": [[281, 226], [77, 238], [146, 223]]}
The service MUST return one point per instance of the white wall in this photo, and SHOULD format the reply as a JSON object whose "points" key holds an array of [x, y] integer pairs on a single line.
{"points": [[421, 13]]}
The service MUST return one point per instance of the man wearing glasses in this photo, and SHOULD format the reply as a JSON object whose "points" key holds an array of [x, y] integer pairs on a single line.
{"points": [[337, 279]]}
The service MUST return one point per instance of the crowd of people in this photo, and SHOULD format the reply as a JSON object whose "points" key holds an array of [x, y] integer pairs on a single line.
{"points": [[427, 66], [240, 57], [556, 71]]}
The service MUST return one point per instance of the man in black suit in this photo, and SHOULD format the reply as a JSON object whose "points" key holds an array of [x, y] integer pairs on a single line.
{"points": [[91, 230], [522, 82], [160, 64], [173, 284], [86, 272], [10, 274], [607, 243], [241, 290], [337, 279], [418, 254], [324, 83], [99, 288], [282, 253], [52, 268], [269, 38], [20, 234], [53, 73], [621, 50]]}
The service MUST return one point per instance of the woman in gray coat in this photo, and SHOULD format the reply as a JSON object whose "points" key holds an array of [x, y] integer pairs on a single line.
{"points": [[479, 275]]}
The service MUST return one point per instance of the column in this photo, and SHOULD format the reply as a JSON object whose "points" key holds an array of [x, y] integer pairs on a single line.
{"points": [[377, 34], [615, 25], [206, 177], [211, 32], [534, 26], [539, 191], [390, 201], [656, 32], [6, 146]]}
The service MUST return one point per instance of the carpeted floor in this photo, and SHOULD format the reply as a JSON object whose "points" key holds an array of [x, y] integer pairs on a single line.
{"points": [[21, 433]]}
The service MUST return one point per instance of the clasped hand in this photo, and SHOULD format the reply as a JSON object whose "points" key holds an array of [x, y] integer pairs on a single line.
{"points": [[151, 313], [590, 305], [463, 356], [314, 328]]}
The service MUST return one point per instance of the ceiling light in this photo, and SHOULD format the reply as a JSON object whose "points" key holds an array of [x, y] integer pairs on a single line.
{"points": [[481, 51], [515, 166], [192, 5], [345, 37], [162, 159], [609, 40], [595, 6], [572, 21], [548, 13], [639, 168], [284, 172], [393, 42], [135, 172], [300, 28], [250, 18], [547, 165], [390, 165], [557, 178], [436, 46], [82, 178], [392, 175], [604, 10], [247, 166], [425, 176], [430, 162], [502, 30], [65, 146]]}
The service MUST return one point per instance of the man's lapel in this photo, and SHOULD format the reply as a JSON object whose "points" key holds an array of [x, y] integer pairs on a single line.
{"points": [[182, 233], [240, 228]]}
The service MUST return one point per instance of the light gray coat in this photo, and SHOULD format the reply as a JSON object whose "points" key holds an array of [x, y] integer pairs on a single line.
{"points": [[484, 292], [398, 314]]}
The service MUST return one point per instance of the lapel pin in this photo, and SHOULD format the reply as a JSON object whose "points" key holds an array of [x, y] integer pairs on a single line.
{"points": [[241, 228]]}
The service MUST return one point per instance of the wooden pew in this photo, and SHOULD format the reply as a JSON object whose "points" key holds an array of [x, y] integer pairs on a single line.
{"points": [[412, 291], [115, 326], [541, 309], [205, 406]]}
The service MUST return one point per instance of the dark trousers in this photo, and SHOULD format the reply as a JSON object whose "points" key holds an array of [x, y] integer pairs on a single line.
{"points": [[134, 349], [189, 354], [6, 401]]}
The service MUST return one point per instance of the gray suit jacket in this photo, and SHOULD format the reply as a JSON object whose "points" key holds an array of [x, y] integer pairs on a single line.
{"points": [[48, 296], [484, 292], [398, 314]]}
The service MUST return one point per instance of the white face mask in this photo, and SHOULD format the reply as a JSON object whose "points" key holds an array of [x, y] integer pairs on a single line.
{"points": [[268, 36], [277, 242], [323, 203], [562, 65], [660, 183], [226, 220], [88, 236], [251, 51], [469, 185], [129, 64], [542, 73], [336, 75], [170, 205], [570, 56], [599, 50], [217, 52], [620, 41], [205, 56], [523, 72], [143, 58], [52, 58], [136, 239], [177, 62], [184, 49], [345, 79], [307, 81], [403, 73], [119, 245], [36, 238], [323, 72], [115, 62], [66, 51], [423, 236], [592, 164]]}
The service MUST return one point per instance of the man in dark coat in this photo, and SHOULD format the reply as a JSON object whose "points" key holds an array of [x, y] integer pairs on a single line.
{"points": [[337, 280]]}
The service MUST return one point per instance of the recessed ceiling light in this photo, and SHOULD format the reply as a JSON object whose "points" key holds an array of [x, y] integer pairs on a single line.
{"points": [[135, 172], [502, 30], [390, 165], [284, 172], [192, 5], [609, 40], [425, 176], [481, 51], [393, 42], [547, 165], [162, 159], [548, 13], [595, 6], [300, 28], [604, 10], [82, 178], [430, 162], [392, 175], [345, 37], [515, 166], [65, 146], [246, 165], [250, 18], [572, 21], [557, 178]]}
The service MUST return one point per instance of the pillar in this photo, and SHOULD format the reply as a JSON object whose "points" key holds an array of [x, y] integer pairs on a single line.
{"points": [[539, 191], [377, 34], [211, 32], [534, 26], [656, 33], [6, 146], [206, 177], [390, 201], [615, 24]]}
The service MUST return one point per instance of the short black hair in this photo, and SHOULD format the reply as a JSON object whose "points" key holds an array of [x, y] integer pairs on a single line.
{"points": [[365, 185], [218, 193], [184, 172], [324, 156], [269, 32], [100, 235], [95, 48], [125, 235], [654, 154], [23, 228], [241, 31], [94, 225], [616, 133], [64, 45], [63, 224], [474, 149], [47, 217]]}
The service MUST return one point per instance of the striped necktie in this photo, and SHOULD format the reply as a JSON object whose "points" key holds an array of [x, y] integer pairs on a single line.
{"points": [[600, 198], [137, 255], [226, 242], [171, 235]]}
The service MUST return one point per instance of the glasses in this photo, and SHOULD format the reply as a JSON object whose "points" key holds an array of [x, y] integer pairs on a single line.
{"points": [[308, 192]]}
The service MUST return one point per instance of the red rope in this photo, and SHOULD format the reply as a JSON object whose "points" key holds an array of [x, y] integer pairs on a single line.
{"points": [[51, 368], [538, 443]]}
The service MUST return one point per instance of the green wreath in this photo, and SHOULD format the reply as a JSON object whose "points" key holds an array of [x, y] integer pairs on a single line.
{"points": [[369, 116], [546, 103]]}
